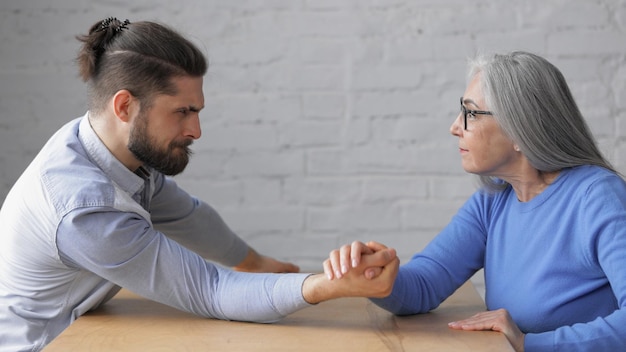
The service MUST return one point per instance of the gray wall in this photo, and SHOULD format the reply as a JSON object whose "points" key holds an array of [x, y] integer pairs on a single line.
{"points": [[326, 121]]}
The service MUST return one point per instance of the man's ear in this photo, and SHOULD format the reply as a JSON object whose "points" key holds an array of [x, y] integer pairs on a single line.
{"points": [[123, 105]]}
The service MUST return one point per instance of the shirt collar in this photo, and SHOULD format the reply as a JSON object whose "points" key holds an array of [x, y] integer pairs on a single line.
{"points": [[106, 161]]}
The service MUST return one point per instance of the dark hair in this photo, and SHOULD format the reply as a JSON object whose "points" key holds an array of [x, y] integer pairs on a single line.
{"points": [[533, 105], [141, 57]]}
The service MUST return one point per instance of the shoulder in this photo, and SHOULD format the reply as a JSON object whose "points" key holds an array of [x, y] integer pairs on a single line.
{"points": [[589, 172], [590, 179], [68, 175]]}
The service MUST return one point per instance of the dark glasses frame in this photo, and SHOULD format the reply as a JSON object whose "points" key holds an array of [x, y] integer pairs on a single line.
{"points": [[465, 111]]}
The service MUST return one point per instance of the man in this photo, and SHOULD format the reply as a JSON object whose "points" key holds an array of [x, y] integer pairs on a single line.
{"points": [[95, 210]]}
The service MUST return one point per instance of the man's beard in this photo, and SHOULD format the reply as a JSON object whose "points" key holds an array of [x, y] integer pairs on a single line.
{"points": [[170, 161]]}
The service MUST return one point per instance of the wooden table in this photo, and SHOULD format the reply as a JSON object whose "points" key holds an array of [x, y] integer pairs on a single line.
{"points": [[131, 323]]}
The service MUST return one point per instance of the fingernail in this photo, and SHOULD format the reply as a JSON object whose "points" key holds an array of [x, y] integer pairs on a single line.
{"points": [[354, 263], [344, 269], [338, 274]]}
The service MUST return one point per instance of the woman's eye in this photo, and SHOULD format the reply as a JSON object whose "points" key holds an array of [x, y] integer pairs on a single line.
{"points": [[471, 115]]}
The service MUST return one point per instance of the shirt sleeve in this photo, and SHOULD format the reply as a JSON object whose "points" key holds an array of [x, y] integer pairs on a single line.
{"points": [[443, 266], [194, 224], [123, 248], [603, 216]]}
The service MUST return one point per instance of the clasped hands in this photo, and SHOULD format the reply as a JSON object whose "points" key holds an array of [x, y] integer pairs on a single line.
{"points": [[356, 270], [351, 256]]}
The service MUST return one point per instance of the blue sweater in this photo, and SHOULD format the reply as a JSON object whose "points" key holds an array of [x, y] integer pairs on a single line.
{"points": [[556, 263]]}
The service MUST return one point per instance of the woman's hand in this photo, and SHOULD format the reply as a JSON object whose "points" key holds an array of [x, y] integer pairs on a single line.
{"points": [[496, 320]]}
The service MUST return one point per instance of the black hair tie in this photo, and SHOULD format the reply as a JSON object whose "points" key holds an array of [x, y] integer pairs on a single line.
{"points": [[117, 27]]}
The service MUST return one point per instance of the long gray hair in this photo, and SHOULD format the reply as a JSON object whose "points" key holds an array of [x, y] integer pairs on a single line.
{"points": [[533, 105]]}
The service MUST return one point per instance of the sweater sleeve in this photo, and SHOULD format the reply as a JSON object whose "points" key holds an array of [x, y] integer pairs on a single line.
{"points": [[444, 265], [603, 218]]}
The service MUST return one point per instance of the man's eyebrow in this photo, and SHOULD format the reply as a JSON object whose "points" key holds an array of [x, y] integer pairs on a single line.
{"points": [[193, 108]]}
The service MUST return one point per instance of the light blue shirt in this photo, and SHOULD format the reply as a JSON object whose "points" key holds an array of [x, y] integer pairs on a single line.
{"points": [[78, 224]]}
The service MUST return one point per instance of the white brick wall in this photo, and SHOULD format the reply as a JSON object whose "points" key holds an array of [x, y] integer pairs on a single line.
{"points": [[326, 120]]}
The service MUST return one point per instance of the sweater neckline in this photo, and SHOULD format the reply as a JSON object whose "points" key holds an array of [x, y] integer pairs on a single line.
{"points": [[542, 197]]}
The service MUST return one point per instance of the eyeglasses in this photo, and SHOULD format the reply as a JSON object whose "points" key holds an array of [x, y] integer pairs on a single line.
{"points": [[466, 112]]}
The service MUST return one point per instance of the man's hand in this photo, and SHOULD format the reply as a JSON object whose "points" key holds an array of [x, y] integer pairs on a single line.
{"points": [[496, 320], [256, 263], [355, 282]]}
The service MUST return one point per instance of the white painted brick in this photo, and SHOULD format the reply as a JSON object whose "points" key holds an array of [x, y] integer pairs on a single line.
{"points": [[265, 164], [618, 86], [205, 164], [303, 249], [595, 42], [262, 192], [310, 133], [367, 50], [324, 51], [263, 219], [393, 189], [592, 95], [428, 214], [273, 23], [528, 40], [251, 51], [229, 79], [357, 131], [322, 191], [573, 13], [240, 137], [600, 119], [252, 107], [411, 129], [388, 102], [326, 24], [326, 5], [621, 125], [317, 78], [453, 187], [246, 6], [578, 70], [354, 218], [384, 78], [326, 121], [324, 105], [620, 156]]}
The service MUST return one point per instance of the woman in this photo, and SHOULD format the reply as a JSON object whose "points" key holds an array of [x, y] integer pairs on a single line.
{"points": [[548, 224]]}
